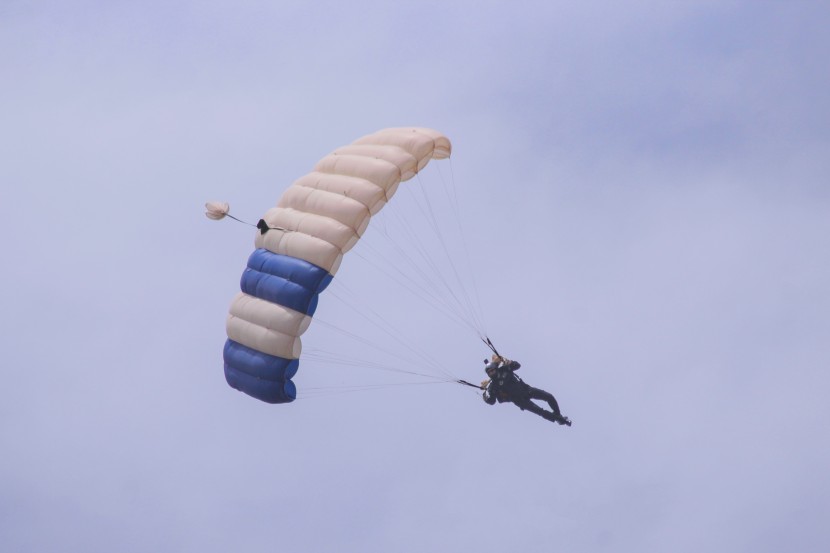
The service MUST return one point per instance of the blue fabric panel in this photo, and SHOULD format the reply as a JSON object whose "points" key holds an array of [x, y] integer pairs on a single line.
{"points": [[284, 280], [290, 268], [269, 391], [278, 290], [258, 364]]}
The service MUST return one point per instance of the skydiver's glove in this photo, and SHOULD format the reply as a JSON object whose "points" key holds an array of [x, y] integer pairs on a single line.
{"points": [[488, 399], [484, 384]]}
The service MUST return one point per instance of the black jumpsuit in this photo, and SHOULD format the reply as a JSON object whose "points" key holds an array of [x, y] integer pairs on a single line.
{"points": [[506, 386]]}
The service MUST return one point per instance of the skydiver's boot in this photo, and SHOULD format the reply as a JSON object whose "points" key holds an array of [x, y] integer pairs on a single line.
{"points": [[552, 417], [556, 417]]}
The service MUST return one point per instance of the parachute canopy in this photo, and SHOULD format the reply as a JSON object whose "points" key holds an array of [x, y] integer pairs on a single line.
{"points": [[319, 218]]}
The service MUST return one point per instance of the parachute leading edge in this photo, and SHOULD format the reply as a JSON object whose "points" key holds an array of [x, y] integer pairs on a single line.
{"points": [[319, 218]]}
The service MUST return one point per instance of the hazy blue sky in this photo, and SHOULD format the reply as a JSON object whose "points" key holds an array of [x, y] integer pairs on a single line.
{"points": [[644, 193]]}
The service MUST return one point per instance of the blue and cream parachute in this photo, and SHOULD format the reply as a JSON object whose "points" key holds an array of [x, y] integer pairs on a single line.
{"points": [[317, 220]]}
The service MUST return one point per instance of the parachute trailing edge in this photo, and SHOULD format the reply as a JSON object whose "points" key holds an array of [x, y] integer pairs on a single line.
{"points": [[319, 218]]}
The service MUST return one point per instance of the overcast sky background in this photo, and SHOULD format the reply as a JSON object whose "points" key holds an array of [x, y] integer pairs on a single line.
{"points": [[645, 204]]}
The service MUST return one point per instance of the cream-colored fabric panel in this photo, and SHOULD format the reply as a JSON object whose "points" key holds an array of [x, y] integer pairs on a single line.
{"points": [[441, 146], [329, 204], [406, 163], [369, 194], [269, 315], [340, 193], [319, 226], [379, 171], [418, 144], [302, 246], [424, 144], [272, 342]]}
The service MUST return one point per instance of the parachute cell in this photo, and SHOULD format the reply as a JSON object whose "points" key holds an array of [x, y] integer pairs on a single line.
{"points": [[319, 218]]}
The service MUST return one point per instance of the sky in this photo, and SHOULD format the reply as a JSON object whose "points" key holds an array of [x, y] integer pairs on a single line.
{"points": [[643, 217]]}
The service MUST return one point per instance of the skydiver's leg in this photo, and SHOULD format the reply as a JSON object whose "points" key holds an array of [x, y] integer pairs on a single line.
{"points": [[536, 393], [533, 408]]}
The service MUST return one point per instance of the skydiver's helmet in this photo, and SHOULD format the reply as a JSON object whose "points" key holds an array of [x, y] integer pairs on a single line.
{"points": [[491, 366]]}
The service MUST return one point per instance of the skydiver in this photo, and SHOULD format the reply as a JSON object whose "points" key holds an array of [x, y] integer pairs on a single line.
{"points": [[503, 385]]}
